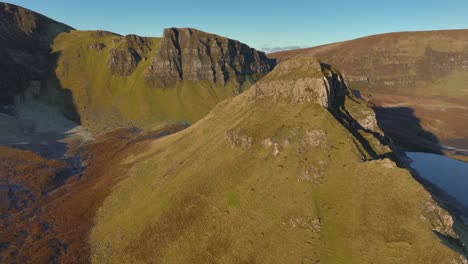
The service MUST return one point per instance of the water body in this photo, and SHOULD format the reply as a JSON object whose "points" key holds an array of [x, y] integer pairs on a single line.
{"points": [[449, 175]]}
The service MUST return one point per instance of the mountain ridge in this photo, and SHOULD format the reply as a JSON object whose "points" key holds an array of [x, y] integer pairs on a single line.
{"points": [[286, 54]]}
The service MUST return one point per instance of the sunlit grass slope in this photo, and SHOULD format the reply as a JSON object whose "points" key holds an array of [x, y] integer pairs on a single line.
{"points": [[262, 182]]}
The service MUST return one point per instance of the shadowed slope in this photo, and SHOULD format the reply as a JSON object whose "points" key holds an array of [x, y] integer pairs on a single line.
{"points": [[25, 38], [271, 176]]}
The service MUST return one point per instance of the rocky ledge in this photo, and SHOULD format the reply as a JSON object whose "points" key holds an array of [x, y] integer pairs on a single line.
{"points": [[302, 80]]}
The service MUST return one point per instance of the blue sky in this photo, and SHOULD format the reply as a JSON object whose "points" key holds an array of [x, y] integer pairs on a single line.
{"points": [[265, 25]]}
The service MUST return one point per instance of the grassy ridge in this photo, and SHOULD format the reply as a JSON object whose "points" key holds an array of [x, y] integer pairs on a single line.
{"points": [[257, 183]]}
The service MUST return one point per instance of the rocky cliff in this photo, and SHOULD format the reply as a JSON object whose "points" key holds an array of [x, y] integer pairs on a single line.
{"points": [[130, 50], [189, 54], [303, 80]]}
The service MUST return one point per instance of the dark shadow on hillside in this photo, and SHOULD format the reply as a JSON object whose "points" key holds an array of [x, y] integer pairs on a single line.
{"points": [[344, 117], [454, 244], [42, 116], [404, 128], [339, 111], [59, 96]]}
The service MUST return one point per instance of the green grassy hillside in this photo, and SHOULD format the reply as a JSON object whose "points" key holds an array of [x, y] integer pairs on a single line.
{"points": [[106, 101], [263, 181]]}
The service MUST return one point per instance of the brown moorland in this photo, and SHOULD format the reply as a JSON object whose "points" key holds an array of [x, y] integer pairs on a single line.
{"points": [[47, 215]]}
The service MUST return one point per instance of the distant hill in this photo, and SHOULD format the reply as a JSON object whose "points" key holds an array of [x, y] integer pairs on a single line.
{"points": [[417, 76]]}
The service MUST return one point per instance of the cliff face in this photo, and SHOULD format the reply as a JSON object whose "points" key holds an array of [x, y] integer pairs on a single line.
{"points": [[25, 37], [301, 81], [189, 54]]}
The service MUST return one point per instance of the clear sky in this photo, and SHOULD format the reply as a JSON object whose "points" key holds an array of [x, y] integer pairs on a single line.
{"points": [[265, 25]]}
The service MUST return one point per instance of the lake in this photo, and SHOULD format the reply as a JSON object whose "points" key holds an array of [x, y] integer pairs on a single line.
{"points": [[448, 174]]}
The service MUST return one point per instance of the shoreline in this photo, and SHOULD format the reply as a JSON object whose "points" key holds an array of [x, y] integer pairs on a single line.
{"points": [[454, 207]]}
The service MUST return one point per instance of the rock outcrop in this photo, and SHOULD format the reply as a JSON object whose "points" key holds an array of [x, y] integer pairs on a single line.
{"points": [[302, 80], [130, 51], [189, 54]]}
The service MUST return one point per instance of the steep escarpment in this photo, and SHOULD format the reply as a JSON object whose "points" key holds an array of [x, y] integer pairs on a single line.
{"points": [[415, 78], [289, 179], [35, 112], [190, 54]]}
